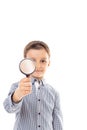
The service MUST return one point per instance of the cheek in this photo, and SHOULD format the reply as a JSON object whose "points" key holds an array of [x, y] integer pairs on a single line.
{"points": [[45, 67]]}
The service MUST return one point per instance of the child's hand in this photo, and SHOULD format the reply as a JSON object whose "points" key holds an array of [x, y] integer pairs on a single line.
{"points": [[24, 88]]}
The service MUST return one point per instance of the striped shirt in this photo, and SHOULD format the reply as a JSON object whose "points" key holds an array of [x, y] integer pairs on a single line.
{"points": [[37, 111]]}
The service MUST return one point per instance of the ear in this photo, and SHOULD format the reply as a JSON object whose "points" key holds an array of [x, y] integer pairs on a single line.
{"points": [[49, 63]]}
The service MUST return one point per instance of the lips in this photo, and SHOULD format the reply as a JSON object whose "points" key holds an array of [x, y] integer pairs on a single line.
{"points": [[38, 71]]}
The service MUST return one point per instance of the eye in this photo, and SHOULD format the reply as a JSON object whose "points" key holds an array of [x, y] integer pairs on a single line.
{"points": [[43, 61]]}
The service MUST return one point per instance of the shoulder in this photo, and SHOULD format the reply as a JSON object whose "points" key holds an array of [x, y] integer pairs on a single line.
{"points": [[14, 85], [52, 90]]}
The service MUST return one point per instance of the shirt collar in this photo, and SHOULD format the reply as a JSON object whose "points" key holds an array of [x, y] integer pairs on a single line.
{"points": [[42, 81]]}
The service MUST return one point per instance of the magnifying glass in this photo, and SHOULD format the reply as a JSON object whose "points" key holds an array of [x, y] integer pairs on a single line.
{"points": [[27, 66]]}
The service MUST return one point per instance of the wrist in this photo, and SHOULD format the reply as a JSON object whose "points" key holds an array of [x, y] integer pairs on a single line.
{"points": [[15, 98]]}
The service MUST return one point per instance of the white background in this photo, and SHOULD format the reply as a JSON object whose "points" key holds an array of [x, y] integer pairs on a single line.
{"points": [[63, 25]]}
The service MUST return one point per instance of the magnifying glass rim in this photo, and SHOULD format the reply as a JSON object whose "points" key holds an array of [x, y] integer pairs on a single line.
{"points": [[20, 65]]}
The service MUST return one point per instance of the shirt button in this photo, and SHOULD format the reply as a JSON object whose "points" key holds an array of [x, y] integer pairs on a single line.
{"points": [[39, 113], [38, 125], [38, 99]]}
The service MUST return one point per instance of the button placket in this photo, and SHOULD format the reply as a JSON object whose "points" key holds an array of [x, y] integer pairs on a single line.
{"points": [[39, 100], [38, 125], [38, 109]]}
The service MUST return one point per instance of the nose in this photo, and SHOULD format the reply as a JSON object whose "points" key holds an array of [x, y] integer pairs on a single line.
{"points": [[38, 65]]}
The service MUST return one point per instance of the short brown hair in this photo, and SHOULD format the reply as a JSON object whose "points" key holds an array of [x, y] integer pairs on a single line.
{"points": [[36, 45]]}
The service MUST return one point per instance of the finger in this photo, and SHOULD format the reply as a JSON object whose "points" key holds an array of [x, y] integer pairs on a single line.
{"points": [[27, 89], [26, 93], [27, 84]]}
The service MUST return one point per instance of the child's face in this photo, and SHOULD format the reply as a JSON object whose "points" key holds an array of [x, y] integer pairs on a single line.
{"points": [[41, 59]]}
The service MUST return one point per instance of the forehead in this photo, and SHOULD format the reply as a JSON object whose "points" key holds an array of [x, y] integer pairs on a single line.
{"points": [[34, 53]]}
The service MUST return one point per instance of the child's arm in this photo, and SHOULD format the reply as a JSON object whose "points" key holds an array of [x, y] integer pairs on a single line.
{"points": [[14, 100], [8, 103], [24, 88], [57, 115]]}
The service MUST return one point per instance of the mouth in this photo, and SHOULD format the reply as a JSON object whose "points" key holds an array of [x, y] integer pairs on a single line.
{"points": [[38, 71]]}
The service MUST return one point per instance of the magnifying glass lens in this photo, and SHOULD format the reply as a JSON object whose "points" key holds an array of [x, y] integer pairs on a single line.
{"points": [[27, 66]]}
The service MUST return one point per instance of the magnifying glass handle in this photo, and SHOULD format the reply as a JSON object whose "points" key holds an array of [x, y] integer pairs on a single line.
{"points": [[27, 75]]}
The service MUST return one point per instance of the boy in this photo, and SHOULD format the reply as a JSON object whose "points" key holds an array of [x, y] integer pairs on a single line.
{"points": [[35, 103]]}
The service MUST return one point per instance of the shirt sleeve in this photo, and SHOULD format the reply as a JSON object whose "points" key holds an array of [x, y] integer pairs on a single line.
{"points": [[57, 114], [8, 104]]}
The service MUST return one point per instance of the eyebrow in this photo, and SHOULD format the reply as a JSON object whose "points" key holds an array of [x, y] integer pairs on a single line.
{"points": [[40, 59], [44, 58]]}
